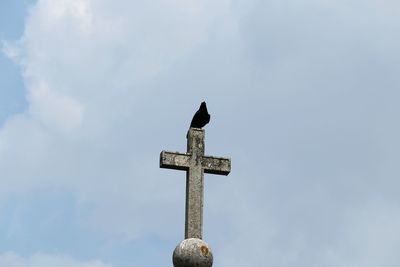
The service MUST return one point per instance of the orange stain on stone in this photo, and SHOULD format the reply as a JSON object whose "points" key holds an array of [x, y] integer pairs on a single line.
{"points": [[204, 250]]}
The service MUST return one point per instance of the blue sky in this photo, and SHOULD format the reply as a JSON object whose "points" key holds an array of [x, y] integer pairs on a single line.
{"points": [[12, 18], [303, 97]]}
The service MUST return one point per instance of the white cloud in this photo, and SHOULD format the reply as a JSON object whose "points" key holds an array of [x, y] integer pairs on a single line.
{"points": [[88, 66], [55, 110], [11, 259], [308, 97]]}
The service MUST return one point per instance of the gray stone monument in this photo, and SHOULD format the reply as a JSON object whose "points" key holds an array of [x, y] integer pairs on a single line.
{"points": [[193, 251]]}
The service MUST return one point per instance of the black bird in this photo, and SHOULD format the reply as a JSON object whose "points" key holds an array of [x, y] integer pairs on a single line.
{"points": [[201, 117]]}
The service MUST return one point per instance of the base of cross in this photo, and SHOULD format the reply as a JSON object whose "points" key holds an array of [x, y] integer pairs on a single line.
{"points": [[192, 252]]}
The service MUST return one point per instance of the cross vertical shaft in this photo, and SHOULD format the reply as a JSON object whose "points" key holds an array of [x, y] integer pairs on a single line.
{"points": [[194, 185]]}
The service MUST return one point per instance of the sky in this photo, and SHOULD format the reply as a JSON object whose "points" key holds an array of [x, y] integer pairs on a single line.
{"points": [[303, 97]]}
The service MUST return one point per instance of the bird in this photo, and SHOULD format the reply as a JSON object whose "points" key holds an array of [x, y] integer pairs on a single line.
{"points": [[201, 117]]}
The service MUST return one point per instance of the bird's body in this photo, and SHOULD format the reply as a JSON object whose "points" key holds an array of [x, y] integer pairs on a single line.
{"points": [[201, 117]]}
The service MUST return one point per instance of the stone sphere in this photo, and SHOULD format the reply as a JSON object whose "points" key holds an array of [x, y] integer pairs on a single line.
{"points": [[192, 252]]}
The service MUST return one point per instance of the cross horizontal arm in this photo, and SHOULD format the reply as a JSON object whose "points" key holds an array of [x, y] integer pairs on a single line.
{"points": [[216, 165], [174, 160]]}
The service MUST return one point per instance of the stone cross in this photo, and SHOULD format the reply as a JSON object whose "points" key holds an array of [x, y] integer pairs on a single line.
{"points": [[195, 163]]}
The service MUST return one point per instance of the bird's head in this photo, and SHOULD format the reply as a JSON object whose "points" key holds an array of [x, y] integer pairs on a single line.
{"points": [[203, 105]]}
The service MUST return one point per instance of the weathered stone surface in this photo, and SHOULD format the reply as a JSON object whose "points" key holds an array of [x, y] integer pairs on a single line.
{"points": [[174, 160], [216, 165], [195, 164], [192, 252]]}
